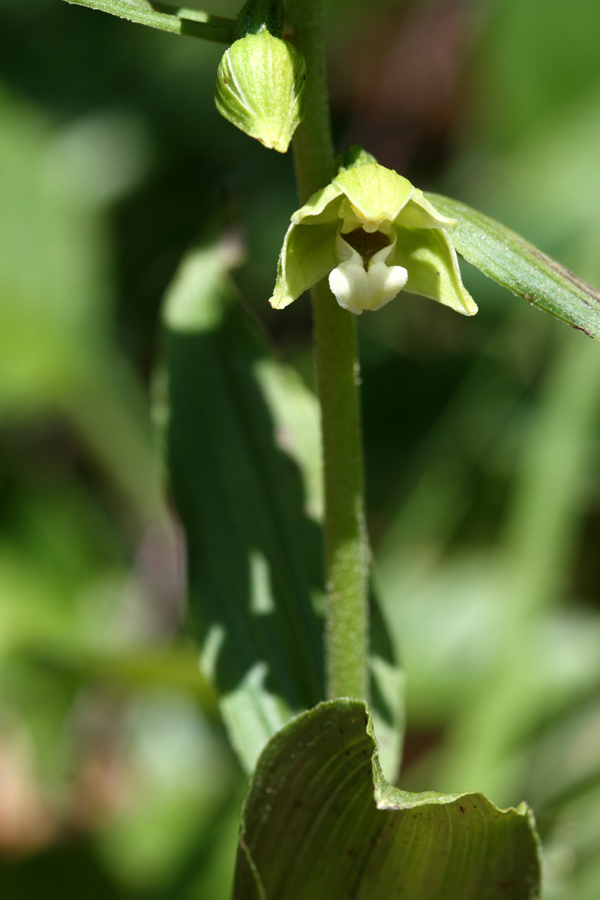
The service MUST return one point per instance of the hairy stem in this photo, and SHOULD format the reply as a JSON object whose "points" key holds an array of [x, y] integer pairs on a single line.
{"points": [[346, 553]]}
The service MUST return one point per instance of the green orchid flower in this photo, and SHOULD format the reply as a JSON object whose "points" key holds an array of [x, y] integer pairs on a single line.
{"points": [[373, 234]]}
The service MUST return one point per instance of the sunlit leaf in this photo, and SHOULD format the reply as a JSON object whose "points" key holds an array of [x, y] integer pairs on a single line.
{"points": [[245, 509], [508, 259], [167, 17], [246, 477], [320, 821]]}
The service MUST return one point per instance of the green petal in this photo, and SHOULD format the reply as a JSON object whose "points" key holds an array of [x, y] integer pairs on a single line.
{"points": [[432, 267], [376, 192], [321, 207], [420, 213], [308, 254], [354, 155]]}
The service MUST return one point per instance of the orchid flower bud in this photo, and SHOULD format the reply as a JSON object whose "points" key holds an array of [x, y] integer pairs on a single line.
{"points": [[260, 80]]}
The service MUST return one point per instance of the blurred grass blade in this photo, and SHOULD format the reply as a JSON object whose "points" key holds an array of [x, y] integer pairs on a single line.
{"points": [[320, 821], [507, 258], [543, 524], [167, 17], [146, 668], [248, 515]]}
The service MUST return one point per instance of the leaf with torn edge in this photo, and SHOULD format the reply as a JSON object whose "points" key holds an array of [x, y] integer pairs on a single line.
{"points": [[320, 822]]}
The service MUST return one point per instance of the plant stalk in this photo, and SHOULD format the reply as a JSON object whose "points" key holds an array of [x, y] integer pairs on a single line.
{"points": [[336, 359]]}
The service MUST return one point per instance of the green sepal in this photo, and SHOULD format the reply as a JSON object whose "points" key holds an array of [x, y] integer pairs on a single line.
{"points": [[354, 155], [307, 256], [432, 267], [260, 88], [323, 206], [375, 192], [420, 213], [380, 193]]}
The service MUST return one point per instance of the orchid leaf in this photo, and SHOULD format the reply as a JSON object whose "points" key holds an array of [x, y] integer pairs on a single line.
{"points": [[320, 821], [243, 451], [167, 17], [511, 261], [247, 513]]}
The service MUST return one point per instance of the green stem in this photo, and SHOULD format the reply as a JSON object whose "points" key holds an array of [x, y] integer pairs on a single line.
{"points": [[167, 17], [346, 550]]}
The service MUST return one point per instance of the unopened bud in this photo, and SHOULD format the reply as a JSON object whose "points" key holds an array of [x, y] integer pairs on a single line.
{"points": [[260, 85]]}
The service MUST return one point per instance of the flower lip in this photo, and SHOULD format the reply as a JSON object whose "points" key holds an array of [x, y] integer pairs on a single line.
{"points": [[359, 285], [367, 243]]}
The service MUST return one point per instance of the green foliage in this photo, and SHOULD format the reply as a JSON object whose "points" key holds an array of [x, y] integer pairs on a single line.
{"points": [[243, 442], [519, 266], [481, 438], [167, 17], [248, 521], [320, 819]]}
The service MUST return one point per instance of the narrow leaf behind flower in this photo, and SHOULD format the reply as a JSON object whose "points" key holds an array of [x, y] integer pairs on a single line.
{"points": [[508, 259], [243, 451], [248, 515]]}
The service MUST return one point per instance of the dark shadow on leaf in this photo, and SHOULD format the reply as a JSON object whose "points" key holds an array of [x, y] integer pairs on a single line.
{"points": [[254, 554]]}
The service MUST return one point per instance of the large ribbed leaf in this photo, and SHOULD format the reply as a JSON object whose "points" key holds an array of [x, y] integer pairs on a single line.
{"points": [[508, 259], [320, 822]]}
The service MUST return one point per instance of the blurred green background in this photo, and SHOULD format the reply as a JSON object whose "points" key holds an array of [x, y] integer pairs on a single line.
{"points": [[482, 435]]}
